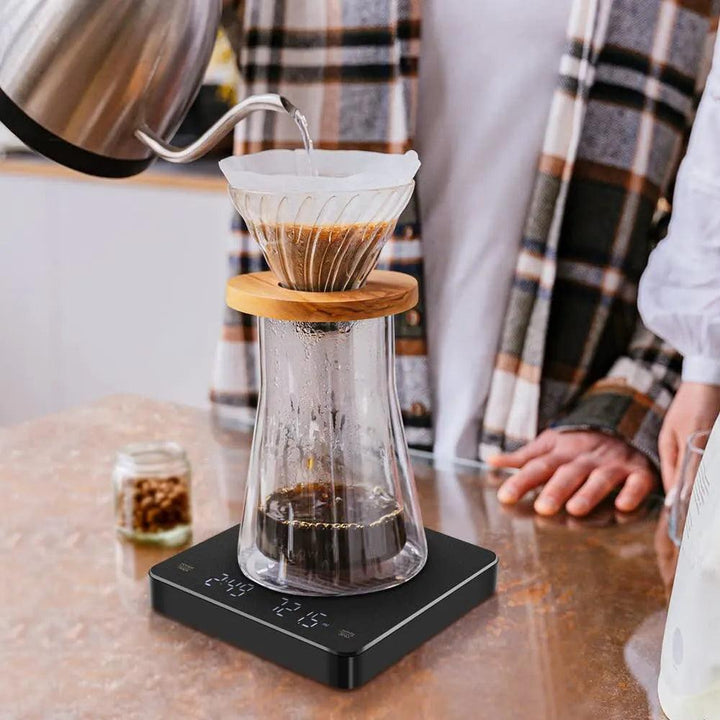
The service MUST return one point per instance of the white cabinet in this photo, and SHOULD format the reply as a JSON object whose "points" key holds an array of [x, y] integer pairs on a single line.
{"points": [[107, 287]]}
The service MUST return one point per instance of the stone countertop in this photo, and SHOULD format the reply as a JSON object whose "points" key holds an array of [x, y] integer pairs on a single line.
{"points": [[573, 633]]}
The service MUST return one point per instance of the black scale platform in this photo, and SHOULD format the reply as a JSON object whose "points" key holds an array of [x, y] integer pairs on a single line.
{"points": [[343, 642]]}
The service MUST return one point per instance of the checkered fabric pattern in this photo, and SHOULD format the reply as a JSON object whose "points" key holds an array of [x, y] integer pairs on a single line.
{"points": [[572, 347], [352, 69]]}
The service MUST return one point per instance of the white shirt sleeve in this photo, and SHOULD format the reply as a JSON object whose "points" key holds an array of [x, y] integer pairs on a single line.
{"points": [[679, 294]]}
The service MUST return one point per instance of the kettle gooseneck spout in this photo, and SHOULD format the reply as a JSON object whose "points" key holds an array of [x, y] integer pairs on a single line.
{"points": [[173, 154]]}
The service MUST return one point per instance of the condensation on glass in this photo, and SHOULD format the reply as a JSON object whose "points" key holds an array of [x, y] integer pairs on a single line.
{"points": [[331, 505]]}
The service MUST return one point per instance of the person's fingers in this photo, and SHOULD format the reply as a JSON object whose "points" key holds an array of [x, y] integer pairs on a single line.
{"points": [[535, 473], [561, 486], [638, 486], [599, 485], [539, 446], [669, 451]]}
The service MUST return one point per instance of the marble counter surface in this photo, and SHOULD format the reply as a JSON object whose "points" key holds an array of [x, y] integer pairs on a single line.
{"points": [[573, 633]]}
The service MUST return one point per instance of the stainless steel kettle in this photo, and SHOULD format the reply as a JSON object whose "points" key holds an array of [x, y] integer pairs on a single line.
{"points": [[102, 85]]}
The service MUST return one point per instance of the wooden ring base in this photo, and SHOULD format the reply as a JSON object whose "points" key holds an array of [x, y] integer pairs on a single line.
{"points": [[384, 293]]}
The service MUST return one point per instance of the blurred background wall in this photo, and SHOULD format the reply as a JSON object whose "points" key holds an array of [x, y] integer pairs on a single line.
{"points": [[107, 288], [113, 286]]}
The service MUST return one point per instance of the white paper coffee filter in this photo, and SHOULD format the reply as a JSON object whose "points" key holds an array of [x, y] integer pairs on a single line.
{"points": [[287, 171], [352, 186]]}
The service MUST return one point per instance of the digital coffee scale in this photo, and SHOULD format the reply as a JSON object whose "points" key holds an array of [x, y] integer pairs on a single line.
{"points": [[340, 641]]}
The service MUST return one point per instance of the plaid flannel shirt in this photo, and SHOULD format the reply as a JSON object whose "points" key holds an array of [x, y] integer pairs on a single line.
{"points": [[573, 352]]}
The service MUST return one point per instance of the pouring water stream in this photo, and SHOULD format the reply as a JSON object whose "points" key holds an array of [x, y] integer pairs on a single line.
{"points": [[302, 125]]}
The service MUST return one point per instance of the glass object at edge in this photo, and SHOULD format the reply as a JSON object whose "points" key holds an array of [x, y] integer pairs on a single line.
{"points": [[331, 506], [694, 450]]}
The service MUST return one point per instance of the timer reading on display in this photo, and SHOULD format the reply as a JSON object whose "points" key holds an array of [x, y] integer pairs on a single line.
{"points": [[309, 619]]}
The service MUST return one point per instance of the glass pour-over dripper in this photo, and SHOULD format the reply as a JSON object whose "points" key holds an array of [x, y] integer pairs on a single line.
{"points": [[331, 506], [321, 232]]}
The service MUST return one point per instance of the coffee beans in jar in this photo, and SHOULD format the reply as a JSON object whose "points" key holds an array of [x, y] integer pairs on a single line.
{"points": [[152, 493]]}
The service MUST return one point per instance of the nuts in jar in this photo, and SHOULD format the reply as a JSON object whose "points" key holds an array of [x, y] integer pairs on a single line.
{"points": [[152, 493]]}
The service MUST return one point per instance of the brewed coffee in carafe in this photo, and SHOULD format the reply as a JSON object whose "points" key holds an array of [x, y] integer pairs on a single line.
{"points": [[331, 505], [330, 528]]}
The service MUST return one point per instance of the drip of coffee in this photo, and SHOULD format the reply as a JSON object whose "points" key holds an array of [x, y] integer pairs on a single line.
{"points": [[330, 529], [323, 258]]}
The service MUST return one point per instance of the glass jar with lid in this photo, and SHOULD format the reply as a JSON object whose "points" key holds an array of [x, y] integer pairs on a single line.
{"points": [[151, 483]]}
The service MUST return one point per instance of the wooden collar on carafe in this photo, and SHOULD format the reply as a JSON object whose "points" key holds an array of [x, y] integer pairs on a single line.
{"points": [[385, 293]]}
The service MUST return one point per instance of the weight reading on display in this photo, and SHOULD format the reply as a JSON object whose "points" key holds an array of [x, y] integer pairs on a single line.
{"points": [[233, 587]]}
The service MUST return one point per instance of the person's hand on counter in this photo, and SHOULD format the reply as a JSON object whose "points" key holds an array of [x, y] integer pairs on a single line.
{"points": [[694, 407], [579, 469]]}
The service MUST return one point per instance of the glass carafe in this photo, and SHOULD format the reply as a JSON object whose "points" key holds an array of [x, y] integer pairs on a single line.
{"points": [[331, 505]]}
